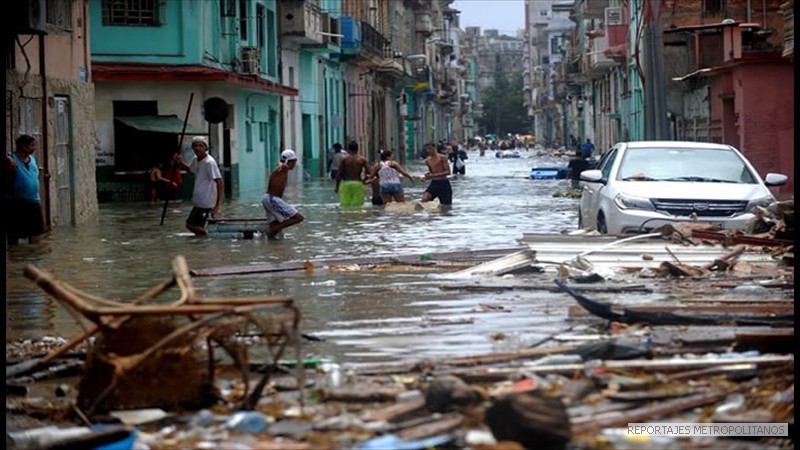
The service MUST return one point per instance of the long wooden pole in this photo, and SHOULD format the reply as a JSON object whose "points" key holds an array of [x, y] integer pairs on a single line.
{"points": [[180, 146]]}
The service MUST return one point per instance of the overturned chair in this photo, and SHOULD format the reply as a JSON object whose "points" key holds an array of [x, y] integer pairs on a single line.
{"points": [[166, 355]]}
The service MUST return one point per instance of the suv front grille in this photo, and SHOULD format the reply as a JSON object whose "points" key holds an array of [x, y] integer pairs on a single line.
{"points": [[703, 208]]}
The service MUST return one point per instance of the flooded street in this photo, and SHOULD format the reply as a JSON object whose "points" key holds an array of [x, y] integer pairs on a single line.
{"points": [[364, 316]]}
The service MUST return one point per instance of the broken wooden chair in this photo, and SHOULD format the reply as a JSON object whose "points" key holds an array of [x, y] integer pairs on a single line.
{"points": [[152, 355]]}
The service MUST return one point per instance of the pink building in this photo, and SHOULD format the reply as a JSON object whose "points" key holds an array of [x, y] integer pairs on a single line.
{"points": [[744, 89], [752, 101]]}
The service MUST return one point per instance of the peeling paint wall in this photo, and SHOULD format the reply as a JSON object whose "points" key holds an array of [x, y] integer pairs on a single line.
{"points": [[81, 99]]}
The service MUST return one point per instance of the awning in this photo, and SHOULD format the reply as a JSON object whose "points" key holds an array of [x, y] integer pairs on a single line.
{"points": [[160, 124]]}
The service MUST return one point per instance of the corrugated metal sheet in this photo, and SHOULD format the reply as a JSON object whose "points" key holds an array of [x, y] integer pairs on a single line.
{"points": [[554, 249]]}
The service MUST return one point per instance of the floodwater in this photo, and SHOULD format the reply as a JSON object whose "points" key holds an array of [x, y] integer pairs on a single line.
{"points": [[363, 316]]}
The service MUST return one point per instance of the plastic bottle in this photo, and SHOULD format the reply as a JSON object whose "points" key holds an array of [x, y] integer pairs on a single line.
{"points": [[248, 422], [332, 373]]}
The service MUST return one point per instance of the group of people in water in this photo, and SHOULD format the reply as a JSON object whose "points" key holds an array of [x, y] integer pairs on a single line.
{"points": [[354, 173], [351, 172]]}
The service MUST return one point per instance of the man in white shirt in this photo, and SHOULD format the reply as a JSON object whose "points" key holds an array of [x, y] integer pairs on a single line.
{"points": [[207, 194]]}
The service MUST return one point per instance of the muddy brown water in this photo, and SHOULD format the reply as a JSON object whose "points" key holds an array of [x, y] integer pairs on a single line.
{"points": [[363, 315]]}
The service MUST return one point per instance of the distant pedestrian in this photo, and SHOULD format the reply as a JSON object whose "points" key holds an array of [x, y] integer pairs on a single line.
{"points": [[388, 175], [165, 179], [207, 194], [457, 157], [336, 158], [279, 213], [438, 170], [24, 216], [351, 176], [574, 168], [588, 148]]}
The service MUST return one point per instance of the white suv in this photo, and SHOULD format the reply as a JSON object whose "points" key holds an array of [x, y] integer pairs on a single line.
{"points": [[638, 186]]}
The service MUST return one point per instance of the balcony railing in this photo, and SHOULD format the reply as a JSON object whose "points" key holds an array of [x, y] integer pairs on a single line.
{"points": [[392, 62], [372, 41]]}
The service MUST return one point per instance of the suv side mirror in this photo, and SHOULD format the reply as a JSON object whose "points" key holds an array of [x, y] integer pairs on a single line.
{"points": [[592, 176], [775, 179]]}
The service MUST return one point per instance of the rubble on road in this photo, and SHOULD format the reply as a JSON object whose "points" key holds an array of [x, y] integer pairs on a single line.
{"points": [[716, 346]]}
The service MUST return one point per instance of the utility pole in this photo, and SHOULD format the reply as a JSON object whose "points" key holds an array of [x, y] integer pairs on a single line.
{"points": [[656, 123]]}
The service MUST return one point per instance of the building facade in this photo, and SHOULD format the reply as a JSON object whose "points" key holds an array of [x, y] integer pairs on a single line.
{"points": [[716, 71], [50, 96], [212, 64]]}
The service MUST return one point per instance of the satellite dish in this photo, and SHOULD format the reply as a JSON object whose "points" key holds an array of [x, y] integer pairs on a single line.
{"points": [[216, 110]]}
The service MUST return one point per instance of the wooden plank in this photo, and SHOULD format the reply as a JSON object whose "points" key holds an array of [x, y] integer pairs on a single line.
{"points": [[500, 266], [456, 256], [362, 394], [549, 287], [657, 365], [443, 425], [396, 412], [511, 356], [766, 308], [638, 415]]}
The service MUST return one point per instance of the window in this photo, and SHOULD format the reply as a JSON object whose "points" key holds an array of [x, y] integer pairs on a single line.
{"points": [[248, 135], [130, 12], [227, 8], [30, 116], [555, 46], [272, 46], [713, 7], [606, 163], [243, 20], [260, 26], [59, 14]]}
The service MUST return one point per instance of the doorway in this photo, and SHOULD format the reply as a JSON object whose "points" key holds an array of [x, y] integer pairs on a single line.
{"points": [[64, 169]]}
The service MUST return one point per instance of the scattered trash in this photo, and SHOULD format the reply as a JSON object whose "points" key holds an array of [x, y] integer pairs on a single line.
{"points": [[711, 341], [248, 422]]}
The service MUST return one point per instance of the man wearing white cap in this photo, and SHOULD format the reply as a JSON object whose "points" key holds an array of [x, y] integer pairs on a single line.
{"points": [[207, 194], [279, 213]]}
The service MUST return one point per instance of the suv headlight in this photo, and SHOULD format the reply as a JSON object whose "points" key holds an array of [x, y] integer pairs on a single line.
{"points": [[630, 202], [763, 201]]}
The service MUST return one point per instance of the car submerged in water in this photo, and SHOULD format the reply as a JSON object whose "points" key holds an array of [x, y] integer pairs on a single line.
{"points": [[638, 186]]}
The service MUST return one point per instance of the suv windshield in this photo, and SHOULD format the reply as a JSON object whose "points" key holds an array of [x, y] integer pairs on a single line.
{"points": [[684, 164]]}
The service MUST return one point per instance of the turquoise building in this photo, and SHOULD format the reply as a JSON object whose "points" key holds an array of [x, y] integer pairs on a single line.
{"points": [[212, 62], [310, 47]]}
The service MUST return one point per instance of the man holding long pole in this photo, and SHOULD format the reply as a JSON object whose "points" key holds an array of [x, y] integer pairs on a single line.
{"points": [[207, 194]]}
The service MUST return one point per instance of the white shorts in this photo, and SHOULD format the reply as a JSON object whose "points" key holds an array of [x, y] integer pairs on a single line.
{"points": [[277, 209]]}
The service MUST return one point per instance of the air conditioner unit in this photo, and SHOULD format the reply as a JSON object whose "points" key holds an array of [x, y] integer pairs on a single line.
{"points": [[250, 59], [614, 15], [30, 16]]}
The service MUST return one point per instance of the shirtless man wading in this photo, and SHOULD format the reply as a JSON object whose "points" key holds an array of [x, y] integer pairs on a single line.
{"points": [[438, 170], [351, 175]]}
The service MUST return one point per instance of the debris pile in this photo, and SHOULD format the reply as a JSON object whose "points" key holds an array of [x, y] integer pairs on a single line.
{"points": [[717, 347]]}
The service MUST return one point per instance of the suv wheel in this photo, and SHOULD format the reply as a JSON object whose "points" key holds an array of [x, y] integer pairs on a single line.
{"points": [[601, 224]]}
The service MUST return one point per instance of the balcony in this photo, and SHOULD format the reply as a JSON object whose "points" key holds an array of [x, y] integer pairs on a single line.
{"points": [[372, 42], [301, 22], [330, 42], [350, 29], [598, 62], [392, 63], [361, 43], [593, 9]]}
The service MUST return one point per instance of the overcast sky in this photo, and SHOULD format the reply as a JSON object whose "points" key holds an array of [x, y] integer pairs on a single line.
{"points": [[508, 16]]}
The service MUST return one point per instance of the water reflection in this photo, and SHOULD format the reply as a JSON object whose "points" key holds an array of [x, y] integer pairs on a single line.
{"points": [[365, 315]]}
